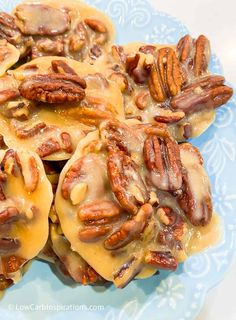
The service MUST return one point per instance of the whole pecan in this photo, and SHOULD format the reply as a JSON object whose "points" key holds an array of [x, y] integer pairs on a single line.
{"points": [[206, 93], [53, 88], [161, 260], [126, 182], [194, 54], [162, 159], [166, 76], [130, 230], [195, 198]]}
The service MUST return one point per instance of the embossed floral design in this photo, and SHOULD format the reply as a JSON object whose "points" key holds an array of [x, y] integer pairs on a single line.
{"points": [[169, 292], [218, 150], [224, 200], [162, 34]]}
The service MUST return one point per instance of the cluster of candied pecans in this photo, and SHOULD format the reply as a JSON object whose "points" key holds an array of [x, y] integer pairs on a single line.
{"points": [[149, 192]]}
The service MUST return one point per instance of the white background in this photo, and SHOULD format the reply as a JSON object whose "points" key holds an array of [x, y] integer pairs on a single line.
{"points": [[217, 20]]}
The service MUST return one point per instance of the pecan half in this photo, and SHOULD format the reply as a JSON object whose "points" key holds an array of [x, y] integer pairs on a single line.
{"points": [[99, 28], [147, 49], [161, 260], [142, 100], [195, 199], [95, 51], [19, 110], [118, 135], [127, 272], [168, 116], [31, 178], [99, 211], [10, 32], [94, 233], [60, 66], [12, 264], [122, 81], [96, 25], [9, 215], [118, 54], [48, 47], [173, 228], [8, 94], [71, 177], [162, 159], [40, 19], [78, 38], [8, 245], [67, 142], [5, 283], [89, 276], [166, 76], [138, 73], [126, 182], [93, 111], [11, 163], [2, 144], [206, 93], [48, 147], [130, 230], [194, 54], [53, 88], [23, 133], [132, 63], [3, 179]]}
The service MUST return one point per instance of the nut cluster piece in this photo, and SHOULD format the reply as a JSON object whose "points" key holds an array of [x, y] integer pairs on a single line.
{"points": [[94, 165], [133, 196], [23, 216]]}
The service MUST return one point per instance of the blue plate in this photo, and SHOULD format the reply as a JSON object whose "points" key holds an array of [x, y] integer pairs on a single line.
{"points": [[176, 296]]}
